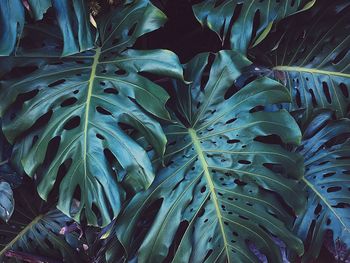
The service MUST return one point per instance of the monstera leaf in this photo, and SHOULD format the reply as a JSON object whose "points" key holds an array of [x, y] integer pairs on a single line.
{"points": [[67, 115], [245, 22], [72, 16], [309, 54], [218, 194], [326, 151], [34, 228]]}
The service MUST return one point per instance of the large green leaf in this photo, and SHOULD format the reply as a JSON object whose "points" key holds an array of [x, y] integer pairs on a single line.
{"points": [[35, 229], [218, 194], [67, 112], [234, 19], [309, 54], [72, 16], [327, 182]]}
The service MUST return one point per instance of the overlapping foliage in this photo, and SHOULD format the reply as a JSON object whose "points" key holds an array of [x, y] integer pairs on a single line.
{"points": [[240, 154]]}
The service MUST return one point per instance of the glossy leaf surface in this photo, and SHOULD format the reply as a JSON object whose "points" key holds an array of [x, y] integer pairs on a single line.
{"points": [[235, 19], [326, 150], [66, 115], [35, 229], [217, 194], [309, 54], [72, 17]]}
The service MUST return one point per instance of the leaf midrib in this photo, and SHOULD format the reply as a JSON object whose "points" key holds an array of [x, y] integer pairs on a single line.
{"points": [[21, 234], [324, 200], [87, 105], [207, 175], [311, 70]]}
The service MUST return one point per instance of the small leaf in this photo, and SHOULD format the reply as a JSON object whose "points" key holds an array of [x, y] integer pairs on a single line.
{"points": [[34, 229], [6, 201]]}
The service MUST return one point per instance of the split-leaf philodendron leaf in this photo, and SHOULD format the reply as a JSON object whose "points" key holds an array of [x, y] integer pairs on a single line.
{"points": [[310, 55], [65, 114], [326, 151], [235, 19], [33, 228], [72, 17], [217, 197]]}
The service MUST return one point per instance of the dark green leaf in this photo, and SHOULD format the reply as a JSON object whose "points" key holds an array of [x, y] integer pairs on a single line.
{"points": [[234, 19], [69, 113], [7, 171], [73, 18], [78, 35], [309, 54], [11, 24], [327, 182], [34, 229], [219, 189], [6, 201], [39, 8]]}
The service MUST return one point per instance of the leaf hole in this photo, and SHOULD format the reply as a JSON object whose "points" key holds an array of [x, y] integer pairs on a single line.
{"points": [[120, 72], [244, 162], [69, 101], [103, 111], [334, 189], [239, 182], [72, 123], [326, 92], [100, 136], [132, 29], [233, 141], [56, 83], [231, 120], [344, 90], [340, 56], [313, 98], [210, 251], [111, 91]]}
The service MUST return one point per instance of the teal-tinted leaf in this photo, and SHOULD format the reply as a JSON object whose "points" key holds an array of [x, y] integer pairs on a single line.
{"points": [[39, 7], [73, 19], [326, 150], [7, 169], [77, 108], [234, 19], [78, 35], [6, 201], [309, 54], [11, 24], [219, 186], [35, 229]]}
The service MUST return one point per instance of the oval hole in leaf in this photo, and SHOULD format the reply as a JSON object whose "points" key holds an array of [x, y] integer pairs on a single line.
{"points": [[56, 83], [72, 123], [69, 101]]}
